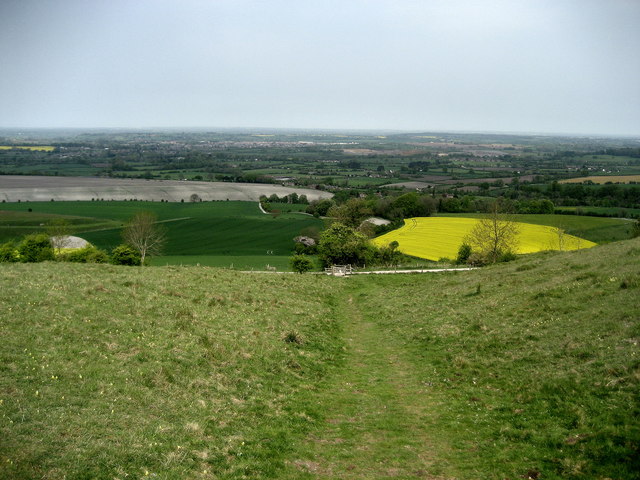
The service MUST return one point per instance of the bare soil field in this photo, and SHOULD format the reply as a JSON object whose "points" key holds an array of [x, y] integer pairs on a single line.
{"points": [[14, 188], [368, 151]]}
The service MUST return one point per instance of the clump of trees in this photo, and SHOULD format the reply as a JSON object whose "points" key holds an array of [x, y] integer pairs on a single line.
{"points": [[40, 247], [267, 202], [142, 235], [341, 244]]}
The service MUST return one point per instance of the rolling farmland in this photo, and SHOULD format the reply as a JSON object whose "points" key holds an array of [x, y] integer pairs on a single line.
{"points": [[224, 234], [440, 237]]}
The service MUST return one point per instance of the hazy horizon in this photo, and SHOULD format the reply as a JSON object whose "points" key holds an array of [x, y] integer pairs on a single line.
{"points": [[538, 67]]}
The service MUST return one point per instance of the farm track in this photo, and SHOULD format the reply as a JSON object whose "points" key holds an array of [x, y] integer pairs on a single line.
{"points": [[378, 412]]}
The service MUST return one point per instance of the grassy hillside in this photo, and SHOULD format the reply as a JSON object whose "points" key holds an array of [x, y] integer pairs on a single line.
{"points": [[112, 372], [531, 369], [523, 370]]}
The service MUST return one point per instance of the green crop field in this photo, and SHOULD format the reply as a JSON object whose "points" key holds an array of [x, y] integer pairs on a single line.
{"points": [[440, 237], [205, 233], [529, 369]]}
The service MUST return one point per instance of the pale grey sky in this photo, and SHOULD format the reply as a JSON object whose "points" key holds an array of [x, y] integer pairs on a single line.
{"points": [[555, 66]]}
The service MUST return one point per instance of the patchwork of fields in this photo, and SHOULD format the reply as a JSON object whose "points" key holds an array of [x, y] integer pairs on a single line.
{"points": [[237, 235], [440, 237]]}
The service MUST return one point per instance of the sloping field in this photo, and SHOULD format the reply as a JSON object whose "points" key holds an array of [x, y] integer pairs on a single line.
{"points": [[208, 233], [438, 237], [14, 188], [169, 373], [524, 370]]}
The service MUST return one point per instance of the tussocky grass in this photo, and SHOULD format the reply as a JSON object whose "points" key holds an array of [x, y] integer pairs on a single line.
{"points": [[116, 372], [521, 370], [532, 368]]}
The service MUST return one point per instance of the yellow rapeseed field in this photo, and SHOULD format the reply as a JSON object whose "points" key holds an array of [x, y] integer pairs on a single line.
{"points": [[440, 237], [43, 148]]}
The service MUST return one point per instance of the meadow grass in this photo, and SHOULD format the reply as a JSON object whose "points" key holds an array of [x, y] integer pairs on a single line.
{"points": [[526, 370], [233, 262], [440, 237], [529, 369], [116, 372]]}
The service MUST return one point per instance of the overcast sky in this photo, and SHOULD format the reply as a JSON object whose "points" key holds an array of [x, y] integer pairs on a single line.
{"points": [[548, 66]]}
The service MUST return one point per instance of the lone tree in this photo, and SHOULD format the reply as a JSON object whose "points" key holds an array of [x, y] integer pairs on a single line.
{"points": [[494, 236], [58, 230], [144, 234]]}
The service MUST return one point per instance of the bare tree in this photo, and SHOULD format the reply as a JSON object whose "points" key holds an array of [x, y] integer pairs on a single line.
{"points": [[144, 234], [58, 230], [561, 236], [494, 235]]}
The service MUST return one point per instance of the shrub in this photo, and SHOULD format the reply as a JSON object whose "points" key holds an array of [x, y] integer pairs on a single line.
{"points": [[35, 248], [8, 252], [507, 256], [389, 255], [464, 252], [88, 254], [125, 255], [342, 245], [301, 264]]}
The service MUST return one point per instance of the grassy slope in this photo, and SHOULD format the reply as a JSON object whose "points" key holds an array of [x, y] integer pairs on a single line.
{"points": [[109, 372], [532, 366], [16, 224], [525, 369]]}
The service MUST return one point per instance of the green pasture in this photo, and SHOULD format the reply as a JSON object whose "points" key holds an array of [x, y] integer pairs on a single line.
{"points": [[206, 233], [604, 211], [525, 370]]}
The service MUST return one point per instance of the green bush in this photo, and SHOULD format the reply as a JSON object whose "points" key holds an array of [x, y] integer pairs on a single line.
{"points": [[8, 252], [125, 255], [35, 248], [389, 255], [88, 254], [343, 245], [464, 252], [301, 264]]}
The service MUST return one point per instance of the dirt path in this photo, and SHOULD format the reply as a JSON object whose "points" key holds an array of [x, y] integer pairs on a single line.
{"points": [[378, 411]]}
